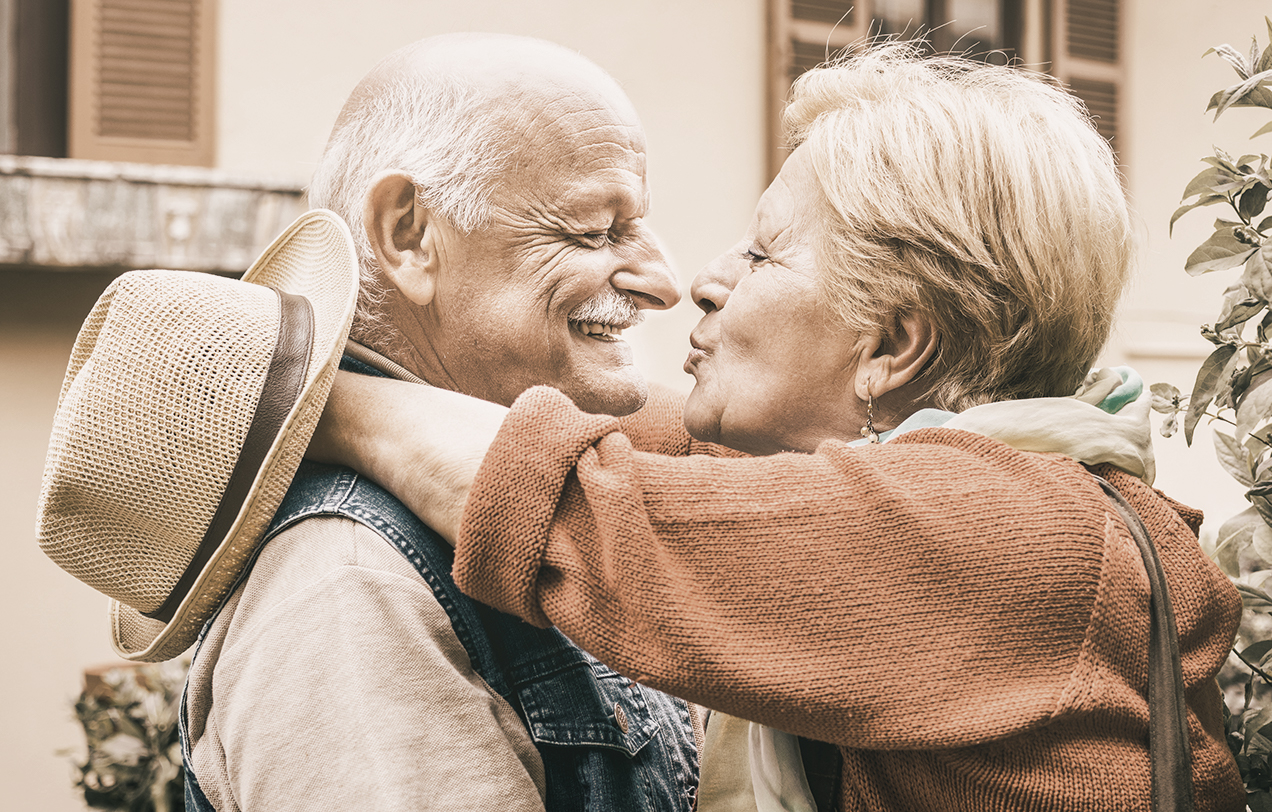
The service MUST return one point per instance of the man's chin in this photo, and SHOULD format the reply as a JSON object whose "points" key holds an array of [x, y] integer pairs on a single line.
{"points": [[618, 393]]}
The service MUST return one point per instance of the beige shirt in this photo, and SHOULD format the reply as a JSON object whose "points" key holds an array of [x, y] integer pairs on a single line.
{"points": [[332, 679]]}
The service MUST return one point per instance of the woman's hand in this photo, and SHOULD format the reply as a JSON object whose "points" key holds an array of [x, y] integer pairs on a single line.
{"points": [[422, 444]]}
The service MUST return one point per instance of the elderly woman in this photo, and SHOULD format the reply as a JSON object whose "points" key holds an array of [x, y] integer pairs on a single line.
{"points": [[959, 607]]}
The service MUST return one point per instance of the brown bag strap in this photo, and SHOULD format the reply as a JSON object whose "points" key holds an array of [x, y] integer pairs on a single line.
{"points": [[1169, 750], [823, 767]]}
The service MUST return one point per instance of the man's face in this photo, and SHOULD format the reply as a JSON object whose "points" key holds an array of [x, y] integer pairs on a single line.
{"points": [[540, 295]]}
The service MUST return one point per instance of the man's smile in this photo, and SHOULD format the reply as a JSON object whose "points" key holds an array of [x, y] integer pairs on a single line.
{"points": [[598, 331]]}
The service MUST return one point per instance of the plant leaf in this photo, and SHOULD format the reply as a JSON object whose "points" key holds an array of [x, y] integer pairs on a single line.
{"points": [[1257, 651], [1266, 128], [1208, 379], [1254, 599], [1253, 201], [1261, 542], [1206, 179], [1232, 457], [1254, 404], [1255, 96], [1239, 312], [1204, 200], [1232, 57], [1219, 253], [1246, 163], [1259, 801], [1264, 324], [1264, 62], [1234, 536], [1257, 276]]}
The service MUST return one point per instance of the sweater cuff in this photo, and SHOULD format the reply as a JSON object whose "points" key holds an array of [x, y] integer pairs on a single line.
{"points": [[504, 531]]}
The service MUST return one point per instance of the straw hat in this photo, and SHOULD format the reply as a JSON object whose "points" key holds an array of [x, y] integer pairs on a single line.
{"points": [[186, 408]]}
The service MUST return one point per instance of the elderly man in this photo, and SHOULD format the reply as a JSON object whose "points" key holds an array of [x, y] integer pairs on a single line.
{"points": [[496, 190]]}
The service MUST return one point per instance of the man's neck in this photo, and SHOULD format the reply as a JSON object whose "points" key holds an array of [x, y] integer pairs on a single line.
{"points": [[384, 344], [381, 362]]}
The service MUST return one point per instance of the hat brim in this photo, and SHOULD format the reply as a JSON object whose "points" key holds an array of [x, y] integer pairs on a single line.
{"points": [[313, 258]]}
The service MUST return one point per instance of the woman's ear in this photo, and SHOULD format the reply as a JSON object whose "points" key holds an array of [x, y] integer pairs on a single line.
{"points": [[402, 234], [890, 361]]}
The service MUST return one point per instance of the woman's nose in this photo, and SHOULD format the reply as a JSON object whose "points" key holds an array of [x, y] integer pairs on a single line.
{"points": [[713, 284]]}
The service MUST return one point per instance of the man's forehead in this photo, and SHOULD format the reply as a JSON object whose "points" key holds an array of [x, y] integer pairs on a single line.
{"points": [[579, 163], [619, 192]]}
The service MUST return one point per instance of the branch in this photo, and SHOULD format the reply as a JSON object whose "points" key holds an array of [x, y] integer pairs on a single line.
{"points": [[1263, 674]]}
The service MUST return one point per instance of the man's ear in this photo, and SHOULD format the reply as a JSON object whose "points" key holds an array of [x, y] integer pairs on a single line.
{"points": [[890, 361], [403, 234]]}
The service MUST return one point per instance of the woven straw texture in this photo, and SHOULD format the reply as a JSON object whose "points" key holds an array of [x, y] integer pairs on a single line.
{"points": [[158, 397]]}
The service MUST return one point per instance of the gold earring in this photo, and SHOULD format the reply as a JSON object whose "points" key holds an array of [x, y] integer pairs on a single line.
{"points": [[868, 430]]}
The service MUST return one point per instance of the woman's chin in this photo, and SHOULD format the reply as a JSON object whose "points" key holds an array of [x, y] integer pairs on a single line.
{"points": [[701, 422]]}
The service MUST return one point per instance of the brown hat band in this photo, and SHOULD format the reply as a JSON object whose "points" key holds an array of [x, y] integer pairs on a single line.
{"points": [[283, 384]]}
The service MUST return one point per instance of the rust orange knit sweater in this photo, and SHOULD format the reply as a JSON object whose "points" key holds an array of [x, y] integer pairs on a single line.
{"points": [[967, 621]]}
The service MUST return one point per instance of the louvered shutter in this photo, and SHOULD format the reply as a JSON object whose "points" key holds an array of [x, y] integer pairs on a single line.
{"points": [[142, 81], [1086, 55], [801, 35]]}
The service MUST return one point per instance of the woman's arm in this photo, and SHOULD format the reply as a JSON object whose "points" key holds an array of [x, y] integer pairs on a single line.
{"points": [[421, 443], [803, 591], [425, 444]]}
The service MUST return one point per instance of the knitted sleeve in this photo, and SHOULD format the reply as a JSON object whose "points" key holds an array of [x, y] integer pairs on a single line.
{"points": [[932, 592]]}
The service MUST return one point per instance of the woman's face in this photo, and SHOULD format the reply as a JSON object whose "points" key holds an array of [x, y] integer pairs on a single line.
{"points": [[775, 368]]}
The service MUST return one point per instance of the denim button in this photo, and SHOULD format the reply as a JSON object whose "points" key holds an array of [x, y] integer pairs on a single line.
{"points": [[621, 717]]}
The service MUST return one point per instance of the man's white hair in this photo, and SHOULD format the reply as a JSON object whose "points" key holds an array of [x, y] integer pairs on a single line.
{"points": [[433, 126]]}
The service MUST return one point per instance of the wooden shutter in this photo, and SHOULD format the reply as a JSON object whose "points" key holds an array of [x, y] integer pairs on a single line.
{"points": [[801, 34], [142, 81], [1086, 52]]}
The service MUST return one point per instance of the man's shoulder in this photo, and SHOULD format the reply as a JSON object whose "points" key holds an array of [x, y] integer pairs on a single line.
{"points": [[314, 557], [321, 544], [334, 634]]}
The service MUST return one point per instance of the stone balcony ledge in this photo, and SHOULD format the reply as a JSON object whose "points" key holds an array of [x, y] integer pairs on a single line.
{"points": [[70, 214]]}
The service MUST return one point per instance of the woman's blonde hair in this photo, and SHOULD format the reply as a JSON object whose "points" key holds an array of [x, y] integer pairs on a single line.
{"points": [[978, 196]]}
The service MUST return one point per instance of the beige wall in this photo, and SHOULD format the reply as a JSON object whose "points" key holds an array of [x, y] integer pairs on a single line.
{"points": [[53, 626], [693, 69]]}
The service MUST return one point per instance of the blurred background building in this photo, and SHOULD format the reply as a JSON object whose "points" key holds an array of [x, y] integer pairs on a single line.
{"points": [[180, 134]]}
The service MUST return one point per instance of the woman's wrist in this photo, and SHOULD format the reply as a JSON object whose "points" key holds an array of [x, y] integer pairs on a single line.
{"points": [[422, 444]]}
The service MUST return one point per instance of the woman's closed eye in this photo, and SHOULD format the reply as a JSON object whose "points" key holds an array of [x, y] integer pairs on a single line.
{"points": [[754, 257]]}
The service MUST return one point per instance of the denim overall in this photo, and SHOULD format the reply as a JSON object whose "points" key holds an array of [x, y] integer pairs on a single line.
{"points": [[607, 744]]}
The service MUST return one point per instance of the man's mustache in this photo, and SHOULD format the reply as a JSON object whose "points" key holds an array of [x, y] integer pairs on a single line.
{"points": [[608, 307]]}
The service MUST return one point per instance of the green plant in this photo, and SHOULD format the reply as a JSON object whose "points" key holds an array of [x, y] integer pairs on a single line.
{"points": [[129, 716], [1234, 390]]}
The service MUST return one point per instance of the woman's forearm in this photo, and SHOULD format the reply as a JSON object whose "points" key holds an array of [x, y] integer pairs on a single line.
{"points": [[421, 443]]}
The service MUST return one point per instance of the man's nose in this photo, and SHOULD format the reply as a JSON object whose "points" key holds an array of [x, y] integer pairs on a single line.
{"points": [[646, 276]]}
